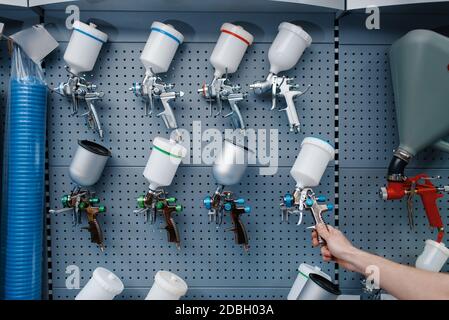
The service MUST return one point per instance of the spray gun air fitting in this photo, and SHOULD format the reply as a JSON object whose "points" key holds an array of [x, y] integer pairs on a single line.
{"points": [[307, 171], [228, 169], [226, 57], [165, 158], [157, 56], [285, 52], [80, 56], [85, 170]]}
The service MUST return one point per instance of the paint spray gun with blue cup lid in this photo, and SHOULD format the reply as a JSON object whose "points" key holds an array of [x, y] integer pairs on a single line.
{"points": [[307, 171], [228, 169], [225, 58], [157, 56], [80, 56]]}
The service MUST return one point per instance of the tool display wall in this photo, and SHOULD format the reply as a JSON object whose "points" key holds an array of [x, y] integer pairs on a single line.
{"points": [[210, 263]]}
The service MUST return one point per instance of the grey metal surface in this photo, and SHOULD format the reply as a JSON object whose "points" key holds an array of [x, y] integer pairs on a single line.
{"points": [[209, 261], [128, 133], [368, 136], [208, 256]]}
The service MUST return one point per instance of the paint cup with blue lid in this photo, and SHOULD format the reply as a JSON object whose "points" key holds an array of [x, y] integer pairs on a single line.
{"points": [[83, 48], [160, 48]]}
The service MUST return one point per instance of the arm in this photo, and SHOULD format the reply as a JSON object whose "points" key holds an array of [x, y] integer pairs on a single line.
{"points": [[401, 281]]}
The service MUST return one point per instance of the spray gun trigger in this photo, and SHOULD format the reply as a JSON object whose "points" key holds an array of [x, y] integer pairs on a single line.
{"points": [[300, 217]]}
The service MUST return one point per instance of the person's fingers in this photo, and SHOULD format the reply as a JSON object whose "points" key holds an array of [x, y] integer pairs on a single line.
{"points": [[325, 252], [315, 241], [322, 230]]}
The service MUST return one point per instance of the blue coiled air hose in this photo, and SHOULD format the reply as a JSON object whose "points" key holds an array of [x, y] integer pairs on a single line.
{"points": [[24, 188]]}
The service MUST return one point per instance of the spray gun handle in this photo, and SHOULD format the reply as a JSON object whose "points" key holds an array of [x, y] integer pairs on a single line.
{"points": [[172, 230], [96, 234], [292, 115], [317, 210], [168, 115], [428, 193], [235, 114], [241, 237], [92, 115]]}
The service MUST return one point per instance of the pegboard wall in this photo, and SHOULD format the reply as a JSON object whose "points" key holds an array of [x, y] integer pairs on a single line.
{"points": [[209, 261]]}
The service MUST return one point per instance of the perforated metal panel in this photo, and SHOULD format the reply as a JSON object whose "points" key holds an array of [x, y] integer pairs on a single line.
{"points": [[128, 133], [209, 261], [368, 136]]}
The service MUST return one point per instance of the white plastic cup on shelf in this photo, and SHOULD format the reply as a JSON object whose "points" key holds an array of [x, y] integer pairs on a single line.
{"points": [[433, 257], [304, 271], [104, 285], [167, 286]]}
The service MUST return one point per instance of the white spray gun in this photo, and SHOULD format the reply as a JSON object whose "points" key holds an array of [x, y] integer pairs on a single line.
{"points": [[157, 56], [307, 171], [226, 58], [285, 51], [80, 56]]}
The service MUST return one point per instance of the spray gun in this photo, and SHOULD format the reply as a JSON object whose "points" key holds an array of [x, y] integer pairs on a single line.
{"points": [[85, 170], [307, 171], [226, 57], [427, 52], [157, 55], [228, 169], [80, 56], [285, 51], [165, 158]]}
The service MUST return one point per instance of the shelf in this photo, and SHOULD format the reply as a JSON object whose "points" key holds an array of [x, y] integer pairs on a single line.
{"points": [[361, 4]]}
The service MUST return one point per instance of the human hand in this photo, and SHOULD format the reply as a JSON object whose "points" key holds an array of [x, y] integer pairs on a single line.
{"points": [[337, 247]]}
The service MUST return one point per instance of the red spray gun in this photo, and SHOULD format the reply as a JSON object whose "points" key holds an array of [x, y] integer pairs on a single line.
{"points": [[400, 186]]}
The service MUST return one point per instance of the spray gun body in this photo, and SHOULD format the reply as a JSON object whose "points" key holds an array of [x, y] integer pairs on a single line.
{"points": [[160, 170], [284, 88], [285, 52], [157, 202], [81, 201], [225, 58], [224, 202], [157, 56], [228, 169], [302, 200], [220, 90], [85, 170], [153, 88], [400, 186], [78, 89]]}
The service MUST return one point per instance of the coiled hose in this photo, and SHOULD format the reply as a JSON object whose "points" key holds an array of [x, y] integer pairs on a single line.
{"points": [[24, 188]]}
